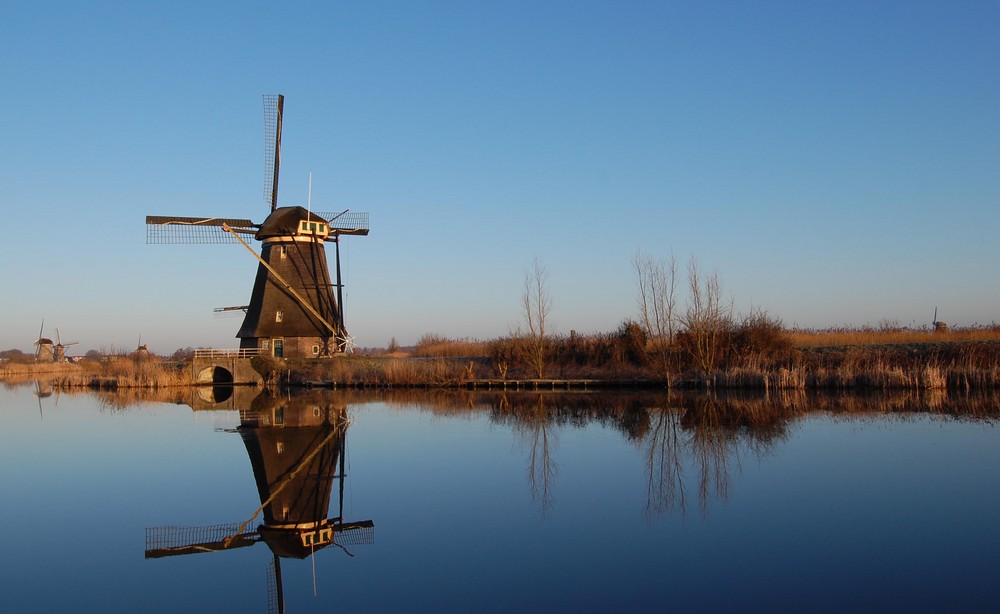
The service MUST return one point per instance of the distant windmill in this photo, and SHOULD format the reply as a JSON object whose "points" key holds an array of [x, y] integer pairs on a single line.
{"points": [[59, 349], [43, 347], [939, 327], [141, 351], [293, 311]]}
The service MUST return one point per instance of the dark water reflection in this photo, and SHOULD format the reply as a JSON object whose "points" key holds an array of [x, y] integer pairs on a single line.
{"points": [[501, 501]]}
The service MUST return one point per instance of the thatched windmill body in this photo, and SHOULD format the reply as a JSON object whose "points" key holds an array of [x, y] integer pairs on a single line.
{"points": [[44, 348], [293, 309], [59, 349]]}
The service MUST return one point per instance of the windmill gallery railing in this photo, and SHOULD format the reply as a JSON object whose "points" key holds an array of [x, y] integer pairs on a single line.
{"points": [[226, 353]]}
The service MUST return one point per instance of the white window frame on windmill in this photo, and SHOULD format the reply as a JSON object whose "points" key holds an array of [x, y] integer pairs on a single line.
{"points": [[313, 228], [279, 316], [283, 251]]}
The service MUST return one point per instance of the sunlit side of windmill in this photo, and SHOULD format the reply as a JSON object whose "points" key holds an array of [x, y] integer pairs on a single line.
{"points": [[293, 310]]}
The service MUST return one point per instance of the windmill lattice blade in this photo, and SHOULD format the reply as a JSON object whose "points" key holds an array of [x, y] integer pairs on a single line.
{"points": [[356, 534], [174, 229], [173, 540], [273, 110], [347, 222]]}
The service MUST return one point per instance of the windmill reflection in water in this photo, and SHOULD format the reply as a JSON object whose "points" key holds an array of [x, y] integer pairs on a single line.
{"points": [[296, 446]]}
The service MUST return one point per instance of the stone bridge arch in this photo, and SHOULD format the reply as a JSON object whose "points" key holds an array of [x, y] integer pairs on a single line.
{"points": [[224, 368]]}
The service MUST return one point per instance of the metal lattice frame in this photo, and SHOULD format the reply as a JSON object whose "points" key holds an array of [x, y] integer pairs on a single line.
{"points": [[172, 229], [172, 537], [271, 128], [348, 222], [355, 536]]}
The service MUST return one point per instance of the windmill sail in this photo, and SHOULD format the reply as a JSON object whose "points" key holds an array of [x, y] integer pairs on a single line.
{"points": [[346, 222], [177, 541], [274, 105], [163, 229]]}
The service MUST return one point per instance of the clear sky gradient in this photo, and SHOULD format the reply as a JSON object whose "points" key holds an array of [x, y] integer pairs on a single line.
{"points": [[836, 163]]}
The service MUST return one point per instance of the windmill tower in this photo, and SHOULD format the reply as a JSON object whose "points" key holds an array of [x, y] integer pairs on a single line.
{"points": [[44, 351], [939, 327], [59, 349], [294, 310]]}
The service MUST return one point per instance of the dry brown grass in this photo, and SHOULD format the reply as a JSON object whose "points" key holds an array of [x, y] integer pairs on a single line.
{"points": [[836, 337], [378, 372], [107, 374], [436, 346]]}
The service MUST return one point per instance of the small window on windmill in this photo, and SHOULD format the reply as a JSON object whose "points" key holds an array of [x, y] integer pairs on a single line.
{"points": [[322, 228], [312, 227], [284, 251], [316, 412], [280, 447], [303, 226], [265, 344], [315, 350], [279, 316]]}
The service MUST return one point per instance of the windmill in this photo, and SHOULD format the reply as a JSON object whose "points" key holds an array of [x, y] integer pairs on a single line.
{"points": [[297, 449], [293, 310], [59, 349], [43, 347], [939, 327]]}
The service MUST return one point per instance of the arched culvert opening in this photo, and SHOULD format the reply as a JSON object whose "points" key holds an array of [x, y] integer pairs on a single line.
{"points": [[221, 376], [215, 375]]}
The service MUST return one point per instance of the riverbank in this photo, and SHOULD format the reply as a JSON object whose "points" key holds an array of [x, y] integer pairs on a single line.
{"points": [[902, 366]]}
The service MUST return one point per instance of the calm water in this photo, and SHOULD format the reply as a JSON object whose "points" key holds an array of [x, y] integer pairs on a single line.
{"points": [[499, 503]]}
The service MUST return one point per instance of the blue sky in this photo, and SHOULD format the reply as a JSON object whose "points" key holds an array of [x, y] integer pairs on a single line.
{"points": [[834, 162]]}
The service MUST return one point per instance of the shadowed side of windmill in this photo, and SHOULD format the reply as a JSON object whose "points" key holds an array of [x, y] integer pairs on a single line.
{"points": [[295, 309]]}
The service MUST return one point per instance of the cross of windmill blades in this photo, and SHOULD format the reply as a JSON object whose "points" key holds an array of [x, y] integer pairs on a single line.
{"points": [[43, 346], [59, 341], [292, 304]]}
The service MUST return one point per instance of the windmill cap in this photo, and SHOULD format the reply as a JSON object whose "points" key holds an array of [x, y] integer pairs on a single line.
{"points": [[284, 221]]}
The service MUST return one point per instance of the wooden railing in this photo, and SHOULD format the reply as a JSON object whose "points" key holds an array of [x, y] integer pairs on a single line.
{"points": [[224, 353]]}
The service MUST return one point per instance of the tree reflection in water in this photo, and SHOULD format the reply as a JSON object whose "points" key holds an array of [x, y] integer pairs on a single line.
{"points": [[542, 469], [692, 444], [697, 440]]}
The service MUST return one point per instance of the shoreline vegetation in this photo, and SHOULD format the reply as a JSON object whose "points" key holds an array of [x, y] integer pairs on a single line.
{"points": [[756, 354]]}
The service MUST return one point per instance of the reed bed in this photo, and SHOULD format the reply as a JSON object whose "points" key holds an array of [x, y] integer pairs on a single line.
{"points": [[103, 375], [890, 335], [371, 372]]}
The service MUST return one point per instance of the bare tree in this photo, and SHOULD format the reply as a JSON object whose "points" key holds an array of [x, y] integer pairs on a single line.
{"points": [[537, 304], [657, 281], [707, 320]]}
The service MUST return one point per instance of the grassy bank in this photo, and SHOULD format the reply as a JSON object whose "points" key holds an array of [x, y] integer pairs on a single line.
{"points": [[955, 366], [108, 374], [757, 355]]}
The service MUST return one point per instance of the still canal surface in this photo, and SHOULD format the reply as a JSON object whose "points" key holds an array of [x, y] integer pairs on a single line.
{"points": [[489, 502]]}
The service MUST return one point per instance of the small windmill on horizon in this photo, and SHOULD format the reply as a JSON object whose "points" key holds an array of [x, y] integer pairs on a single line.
{"points": [[43, 347], [293, 310]]}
